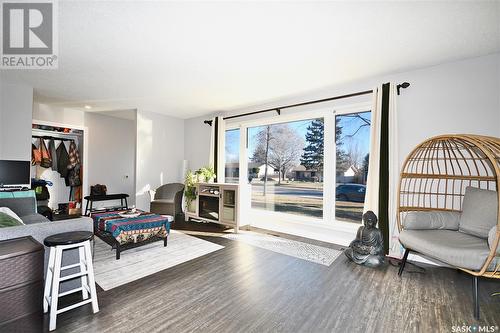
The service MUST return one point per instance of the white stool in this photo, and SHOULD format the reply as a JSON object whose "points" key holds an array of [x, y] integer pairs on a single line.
{"points": [[57, 244]]}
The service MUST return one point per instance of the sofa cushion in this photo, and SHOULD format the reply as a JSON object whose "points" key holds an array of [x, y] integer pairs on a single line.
{"points": [[492, 235], [34, 218], [479, 212], [8, 221], [428, 220], [451, 247], [20, 206]]}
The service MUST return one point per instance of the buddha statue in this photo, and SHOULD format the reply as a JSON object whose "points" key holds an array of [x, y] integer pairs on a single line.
{"points": [[368, 247]]}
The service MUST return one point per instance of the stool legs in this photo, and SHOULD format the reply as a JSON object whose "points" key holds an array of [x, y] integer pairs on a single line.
{"points": [[48, 280], [90, 269], [54, 278], [83, 262], [54, 294]]}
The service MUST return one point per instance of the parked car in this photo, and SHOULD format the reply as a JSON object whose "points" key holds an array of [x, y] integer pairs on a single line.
{"points": [[351, 192]]}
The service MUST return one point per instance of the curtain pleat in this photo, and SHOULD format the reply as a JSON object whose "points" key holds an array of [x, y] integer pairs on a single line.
{"points": [[217, 144], [383, 170]]}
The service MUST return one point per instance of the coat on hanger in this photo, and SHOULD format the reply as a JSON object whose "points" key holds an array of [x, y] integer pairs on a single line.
{"points": [[62, 161]]}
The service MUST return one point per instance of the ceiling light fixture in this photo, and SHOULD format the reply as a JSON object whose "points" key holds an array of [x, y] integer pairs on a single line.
{"points": [[88, 107]]}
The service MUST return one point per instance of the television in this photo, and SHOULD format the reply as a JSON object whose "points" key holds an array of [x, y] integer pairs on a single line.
{"points": [[14, 172]]}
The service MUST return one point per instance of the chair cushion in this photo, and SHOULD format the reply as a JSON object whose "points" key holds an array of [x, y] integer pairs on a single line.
{"points": [[492, 235], [163, 201], [428, 220], [452, 247], [479, 212]]}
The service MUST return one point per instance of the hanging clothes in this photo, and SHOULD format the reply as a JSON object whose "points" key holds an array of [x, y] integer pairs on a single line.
{"points": [[74, 156], [46, 158], [53, 154], [36, 155], [62, 161]]}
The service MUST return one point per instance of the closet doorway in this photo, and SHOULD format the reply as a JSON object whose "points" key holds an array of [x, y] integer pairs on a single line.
{"points": [[59, 169]]}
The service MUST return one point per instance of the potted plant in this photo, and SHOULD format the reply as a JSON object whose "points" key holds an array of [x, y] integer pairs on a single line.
{"points": [[206, 174], [190, 191]]}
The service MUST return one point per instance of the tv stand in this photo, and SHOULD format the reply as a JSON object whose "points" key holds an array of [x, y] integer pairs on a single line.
{"points": [[217, 203]]}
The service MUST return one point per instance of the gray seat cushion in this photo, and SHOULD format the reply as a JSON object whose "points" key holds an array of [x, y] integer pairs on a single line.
{"points": [[427, 220], [163, 201], [452, 247], [34, 218], [479, 212]]}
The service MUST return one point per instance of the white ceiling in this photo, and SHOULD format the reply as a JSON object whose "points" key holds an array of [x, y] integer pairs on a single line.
{"points": [[190, 58]]}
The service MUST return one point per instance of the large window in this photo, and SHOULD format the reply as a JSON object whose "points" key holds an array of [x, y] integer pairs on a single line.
{"points": [[285, 167], [314, 168], [232, 167], [352, 141]]}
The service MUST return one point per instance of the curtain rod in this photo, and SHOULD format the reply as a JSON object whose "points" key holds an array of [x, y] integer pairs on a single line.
{"points": [[278, 109]]}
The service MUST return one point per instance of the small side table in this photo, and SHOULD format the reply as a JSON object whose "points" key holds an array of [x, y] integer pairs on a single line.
{"points": [[107, 197]]}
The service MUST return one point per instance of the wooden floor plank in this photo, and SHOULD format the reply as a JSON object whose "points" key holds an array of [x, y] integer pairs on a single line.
{"points": [[242, 288]]}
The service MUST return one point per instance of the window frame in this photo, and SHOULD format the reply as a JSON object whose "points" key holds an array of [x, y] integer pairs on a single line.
{"points": [[329, 178]]}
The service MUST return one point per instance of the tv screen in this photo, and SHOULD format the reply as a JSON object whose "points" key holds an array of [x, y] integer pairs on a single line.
{"points": [[14, 172]]}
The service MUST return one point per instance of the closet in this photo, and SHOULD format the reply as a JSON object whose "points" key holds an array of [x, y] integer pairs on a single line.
{"points": [[57, 170]]}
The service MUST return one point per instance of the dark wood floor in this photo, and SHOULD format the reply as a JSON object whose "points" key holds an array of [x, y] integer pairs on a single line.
{"points": [[247, 289]]}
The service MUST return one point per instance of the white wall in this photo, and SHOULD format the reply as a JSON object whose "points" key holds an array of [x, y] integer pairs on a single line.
{"points": [[457, 97], [58, 114], [196, 142], [111, 158], [16, 103], [160, 152]]}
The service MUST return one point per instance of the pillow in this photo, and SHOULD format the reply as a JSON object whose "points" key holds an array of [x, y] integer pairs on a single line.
{"points": [[8, 221], [431, 220], [491, 239], [8, 211], [479, 212]]}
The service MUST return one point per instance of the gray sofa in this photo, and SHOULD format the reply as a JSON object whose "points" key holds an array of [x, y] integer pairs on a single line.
{"points": [[167, 199], [40, 227]]}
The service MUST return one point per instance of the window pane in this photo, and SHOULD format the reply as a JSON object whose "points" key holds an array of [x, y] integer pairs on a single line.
{"points": [[285, 167], [232, 168], [352, 139]]}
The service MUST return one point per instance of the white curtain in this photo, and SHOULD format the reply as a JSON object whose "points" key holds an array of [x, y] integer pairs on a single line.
{"points": [[217, 148], [373, 179]]}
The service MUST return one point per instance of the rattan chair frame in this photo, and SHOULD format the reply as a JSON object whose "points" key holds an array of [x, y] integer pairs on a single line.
{"points": [[435, 174]]}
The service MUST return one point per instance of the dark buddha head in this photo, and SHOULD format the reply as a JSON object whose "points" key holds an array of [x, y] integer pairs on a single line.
{"points": [[370, 219]]}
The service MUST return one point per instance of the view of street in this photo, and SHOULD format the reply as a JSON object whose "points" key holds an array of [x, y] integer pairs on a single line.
{"points": [[302, 198]]}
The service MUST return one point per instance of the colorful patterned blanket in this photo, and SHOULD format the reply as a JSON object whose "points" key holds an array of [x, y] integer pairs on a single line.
{"points": [[132, 229]]}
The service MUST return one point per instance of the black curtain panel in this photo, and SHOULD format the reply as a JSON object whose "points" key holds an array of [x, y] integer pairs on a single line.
{"points": [[383, 205], [216, 146]]}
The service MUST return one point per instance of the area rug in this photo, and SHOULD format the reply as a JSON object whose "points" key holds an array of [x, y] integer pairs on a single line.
{"points": [[146, 260], [314, 253]]}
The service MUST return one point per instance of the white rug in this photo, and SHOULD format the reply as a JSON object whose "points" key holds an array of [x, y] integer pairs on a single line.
{"points": [[314, 253], [146, 260]]}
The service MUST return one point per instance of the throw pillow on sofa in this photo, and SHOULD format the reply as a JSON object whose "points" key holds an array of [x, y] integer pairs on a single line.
{"points": [[479, 212], [8, 211], [8, 221]]}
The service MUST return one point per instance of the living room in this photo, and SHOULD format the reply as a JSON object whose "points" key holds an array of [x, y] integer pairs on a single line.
{"points": [[249, 166]]}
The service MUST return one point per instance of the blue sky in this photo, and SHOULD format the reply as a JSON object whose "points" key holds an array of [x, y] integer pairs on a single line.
{"points": [[349, 127]]}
